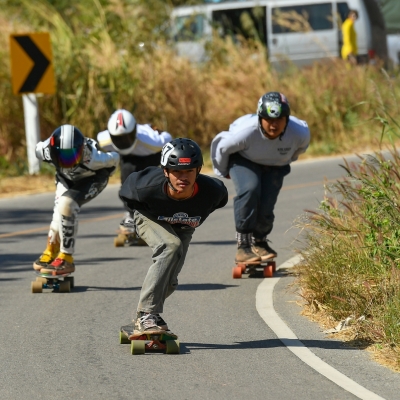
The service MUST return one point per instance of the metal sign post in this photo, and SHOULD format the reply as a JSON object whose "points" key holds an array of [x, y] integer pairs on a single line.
{"points": [[32, 130], [32, 72]]}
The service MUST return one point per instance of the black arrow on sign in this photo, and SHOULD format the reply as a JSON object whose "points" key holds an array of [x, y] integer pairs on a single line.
{"points": [[41, 63]]}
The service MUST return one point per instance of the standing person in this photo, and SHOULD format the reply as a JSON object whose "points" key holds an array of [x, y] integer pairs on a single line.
{"points": [[82, 172], [167, 204], [349, 34], [138, 145], [256, 153]]}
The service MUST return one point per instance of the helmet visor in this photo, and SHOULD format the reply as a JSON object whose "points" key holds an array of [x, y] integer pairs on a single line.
{"points": [[125, 141], [68, 158]]}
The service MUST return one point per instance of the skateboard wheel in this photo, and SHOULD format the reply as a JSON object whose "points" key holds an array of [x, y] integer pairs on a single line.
{"points": [[138, 347], [41, 279], [70, 279], [268, 271], [118, 242], [237, 272], [65, 287], [273, 264], [123, 339], [242, 266], [37, 287], [172, 347]]}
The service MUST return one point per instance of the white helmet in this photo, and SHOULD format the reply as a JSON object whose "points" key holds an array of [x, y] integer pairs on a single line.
{"points": [[122, 129]]}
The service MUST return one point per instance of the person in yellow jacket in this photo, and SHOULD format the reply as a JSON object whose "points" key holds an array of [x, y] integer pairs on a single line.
{"points": [[349, 48]]}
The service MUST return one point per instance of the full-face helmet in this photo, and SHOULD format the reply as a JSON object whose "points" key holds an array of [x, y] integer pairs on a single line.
{"points": [[122, 129], [181, 153], [66, 146]]}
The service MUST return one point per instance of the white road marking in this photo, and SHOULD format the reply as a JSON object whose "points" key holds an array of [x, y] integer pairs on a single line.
{"points": [[265, 307]]}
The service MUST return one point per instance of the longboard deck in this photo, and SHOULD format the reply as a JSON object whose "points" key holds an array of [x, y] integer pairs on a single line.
{"points": [[267, 267], [163, 341], [62, 283]]}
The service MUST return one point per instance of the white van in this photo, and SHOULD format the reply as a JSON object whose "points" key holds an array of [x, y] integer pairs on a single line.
{"points": [[302, 31]]}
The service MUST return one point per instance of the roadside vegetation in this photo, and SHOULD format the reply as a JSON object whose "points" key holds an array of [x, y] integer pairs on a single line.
{"points": [[116, 53], [350, 274], [109, 54]]}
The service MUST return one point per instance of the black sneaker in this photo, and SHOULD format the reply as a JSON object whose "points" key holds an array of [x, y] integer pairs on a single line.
{"points": [[161, 323], [262, 248], [147, 323]]}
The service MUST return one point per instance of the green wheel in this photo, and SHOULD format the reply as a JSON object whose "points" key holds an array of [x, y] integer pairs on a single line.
{"points": [[138, 347], [64, 287], [36, 287], [172, 347], [123, 339]]}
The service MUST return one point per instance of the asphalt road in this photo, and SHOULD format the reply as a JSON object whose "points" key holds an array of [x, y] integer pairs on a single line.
{"points": [[66, 345]]}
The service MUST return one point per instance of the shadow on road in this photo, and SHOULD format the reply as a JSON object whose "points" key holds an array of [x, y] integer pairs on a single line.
{"points": [[265, 344], [204, 286], [215, 242]]}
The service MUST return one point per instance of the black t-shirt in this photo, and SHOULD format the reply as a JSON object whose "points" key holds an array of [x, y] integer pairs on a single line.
{"points": [[144, 191]]}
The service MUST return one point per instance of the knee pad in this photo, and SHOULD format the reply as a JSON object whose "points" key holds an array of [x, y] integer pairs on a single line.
{"points": [[68, 207]]}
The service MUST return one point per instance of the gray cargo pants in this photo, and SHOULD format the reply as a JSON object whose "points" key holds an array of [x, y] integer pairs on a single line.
{"points": [[169, 244]]}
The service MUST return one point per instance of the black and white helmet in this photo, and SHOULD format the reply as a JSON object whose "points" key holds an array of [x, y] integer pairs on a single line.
{"points": [[122, 129], [181, 153], [273, 105], [66, 146]]}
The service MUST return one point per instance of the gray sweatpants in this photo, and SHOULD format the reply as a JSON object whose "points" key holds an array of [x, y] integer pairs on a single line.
{"points": [[169, 244]]}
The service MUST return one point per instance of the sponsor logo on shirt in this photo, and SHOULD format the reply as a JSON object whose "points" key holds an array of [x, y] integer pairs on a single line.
{"points": [[181, 218], [284, 150]]}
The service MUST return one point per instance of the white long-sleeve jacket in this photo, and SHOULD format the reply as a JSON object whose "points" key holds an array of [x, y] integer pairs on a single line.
{"points": [[148, 141]]}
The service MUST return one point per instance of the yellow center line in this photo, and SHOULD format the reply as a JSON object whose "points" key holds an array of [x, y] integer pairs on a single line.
{"points": [[115, 216], [46, 228]]}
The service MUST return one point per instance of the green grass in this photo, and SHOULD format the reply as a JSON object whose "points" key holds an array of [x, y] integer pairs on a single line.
{"points": [[351, 250]]}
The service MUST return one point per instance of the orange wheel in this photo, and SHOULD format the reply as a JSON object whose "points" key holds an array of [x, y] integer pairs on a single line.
{"points": [[237, 272], [273, 265], [242, 266], [268, 271]]}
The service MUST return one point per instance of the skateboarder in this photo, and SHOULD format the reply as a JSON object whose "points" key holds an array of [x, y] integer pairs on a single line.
{"points": [[256, 153], [139, 146], [82, 172], [168, 203]]}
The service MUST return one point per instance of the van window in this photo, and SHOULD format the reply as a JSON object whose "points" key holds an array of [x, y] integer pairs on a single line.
{"points": [[302, 18], [247, 22], [343, 10], [189, 27]]}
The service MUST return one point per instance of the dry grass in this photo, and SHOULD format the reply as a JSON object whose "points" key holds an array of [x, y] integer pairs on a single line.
{"points": [[382, 354]]}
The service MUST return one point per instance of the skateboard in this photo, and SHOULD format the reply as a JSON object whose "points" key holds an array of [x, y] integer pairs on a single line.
{"points": [[63, 283], [128, 238], [267, 267], [163, 342]]}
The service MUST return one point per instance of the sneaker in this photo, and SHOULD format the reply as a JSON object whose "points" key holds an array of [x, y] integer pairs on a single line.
{"points": [[48, 256], [262, 248], [43, 261], [63, 264], [161, 323], [245, 254], [147, 323]]}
